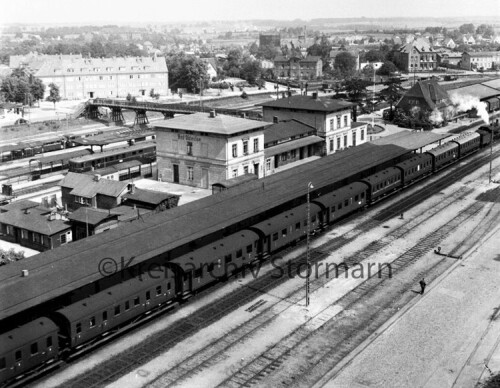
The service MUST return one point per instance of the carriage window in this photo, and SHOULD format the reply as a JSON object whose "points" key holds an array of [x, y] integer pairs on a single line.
{"points": [[210, 267], [239, 253], [313, 218], [49, 342], [19, 355], [104, 316], [346, 202], [92, 322], [2, 363], [137, 301], [228, 258], [275, 236], [283, 232], [356, 198], [198, 272], [117, 310], [362, 195], [297, 226], [333, 209], [249, 248], [34, 348], [127, 305], [78, 328], [168, 286], [148, 295], [158, 290], [339, 206]]}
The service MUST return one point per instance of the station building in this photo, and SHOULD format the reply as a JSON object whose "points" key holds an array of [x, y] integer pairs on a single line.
{"points": [[205, 148], [331, 118], [81, 78]]}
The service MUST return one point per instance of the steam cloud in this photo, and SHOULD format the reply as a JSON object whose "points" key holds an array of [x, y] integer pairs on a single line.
{"points": [[467, 102]]}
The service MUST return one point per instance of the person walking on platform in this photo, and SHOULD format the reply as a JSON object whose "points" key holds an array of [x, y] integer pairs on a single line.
{"points": [[422, 286]]}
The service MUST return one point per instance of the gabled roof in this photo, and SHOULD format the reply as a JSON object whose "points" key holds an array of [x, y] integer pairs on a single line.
{"points": [[429, 91], [91, 216], [202, 122], [19, 205], [34, 220], [86, 186], [286, 130], [421, 45], [321, 104]]}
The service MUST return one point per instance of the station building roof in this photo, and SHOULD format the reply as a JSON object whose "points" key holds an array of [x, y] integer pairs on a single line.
{"points": [[204, 122], [411, 140], [480, 91], [62, 270], [311, 103], [112, 137]]}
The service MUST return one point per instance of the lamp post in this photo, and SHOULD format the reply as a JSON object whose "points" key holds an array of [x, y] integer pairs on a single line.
{"points": [[309, 187], [491, 153]]}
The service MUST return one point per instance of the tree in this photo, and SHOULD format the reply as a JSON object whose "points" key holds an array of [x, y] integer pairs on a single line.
{"points": [[356, 89], [387, 68], [53, 94], [374, 56], [485, 30], [22, 88], [345, 63], [186, 72], [392, 93], [467, 28], [250, 71], [321, 49]]}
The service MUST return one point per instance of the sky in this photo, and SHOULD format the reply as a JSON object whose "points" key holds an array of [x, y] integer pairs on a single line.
{"points": [[159, 11]]}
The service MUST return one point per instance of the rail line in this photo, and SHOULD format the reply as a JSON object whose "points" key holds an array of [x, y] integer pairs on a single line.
{"points": [[110, 370], [276, 355]]}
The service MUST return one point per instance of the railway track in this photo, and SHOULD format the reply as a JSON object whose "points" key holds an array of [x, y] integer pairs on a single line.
{"points": [[167, 338], [214, 351]]}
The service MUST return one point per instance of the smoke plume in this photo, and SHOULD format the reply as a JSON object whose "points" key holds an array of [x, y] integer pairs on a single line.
{"points": [[467, 102]]}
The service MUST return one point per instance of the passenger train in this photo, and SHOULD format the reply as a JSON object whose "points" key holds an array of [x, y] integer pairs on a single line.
{"points": [[49, 339]]}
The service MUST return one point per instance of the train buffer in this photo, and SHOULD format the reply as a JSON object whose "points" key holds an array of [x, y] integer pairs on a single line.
{"points": [[438, 252]]}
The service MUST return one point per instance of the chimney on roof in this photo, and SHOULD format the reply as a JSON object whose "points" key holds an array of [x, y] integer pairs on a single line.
{"points": [[25, 273], [276, 120], [132, 188], [212, 114], [97, 177]]}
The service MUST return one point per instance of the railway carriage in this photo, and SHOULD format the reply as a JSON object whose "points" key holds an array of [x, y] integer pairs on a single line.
{"points": [[468, 142], [343, 201], [89, 318], [382, 183], [216, 260], [415, 168], [28, 347], [443, 155], [287, 227]]}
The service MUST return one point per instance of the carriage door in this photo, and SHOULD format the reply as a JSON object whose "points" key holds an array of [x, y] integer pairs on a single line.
{"points": [[187, 285]]}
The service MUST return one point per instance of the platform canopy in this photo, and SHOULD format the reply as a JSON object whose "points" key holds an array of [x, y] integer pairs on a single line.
{"points": [[411, 140]]}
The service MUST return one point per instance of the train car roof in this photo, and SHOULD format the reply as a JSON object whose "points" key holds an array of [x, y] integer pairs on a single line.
{"points": [[26, 334], [112, 137], [443, 148], [61, 156], [64, 269], [465, 137], [114, 151]]}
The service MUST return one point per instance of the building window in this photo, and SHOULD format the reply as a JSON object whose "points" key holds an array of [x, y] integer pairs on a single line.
{"points": [[235, 150], [293, 154], [338, 143], [235, 173], [190, 148], [331, 124], [345, 120], [283, 156], [268, 164], [63, 238], [10, 230], [190, 174], [345, 140], [24, 233], [331, 144], [362, 134], [245, 147], [245, 169], [338, 121], [255, 145], [354, 138]]}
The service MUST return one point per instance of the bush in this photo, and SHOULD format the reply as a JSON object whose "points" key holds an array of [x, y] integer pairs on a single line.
{"points": [[244, 95]]}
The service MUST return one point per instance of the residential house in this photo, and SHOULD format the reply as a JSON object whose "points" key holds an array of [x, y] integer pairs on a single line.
{"points": [[211, 64], [449, 43], [33, 226], [298, 68], [468, 39], [80, 78], [332, 119], [482, 60], [205, 148], [417, 56], [91, 191], [149, 199]]}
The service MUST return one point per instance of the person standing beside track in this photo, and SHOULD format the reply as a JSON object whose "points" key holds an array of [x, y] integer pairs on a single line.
{"points": [[422, 286]]}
